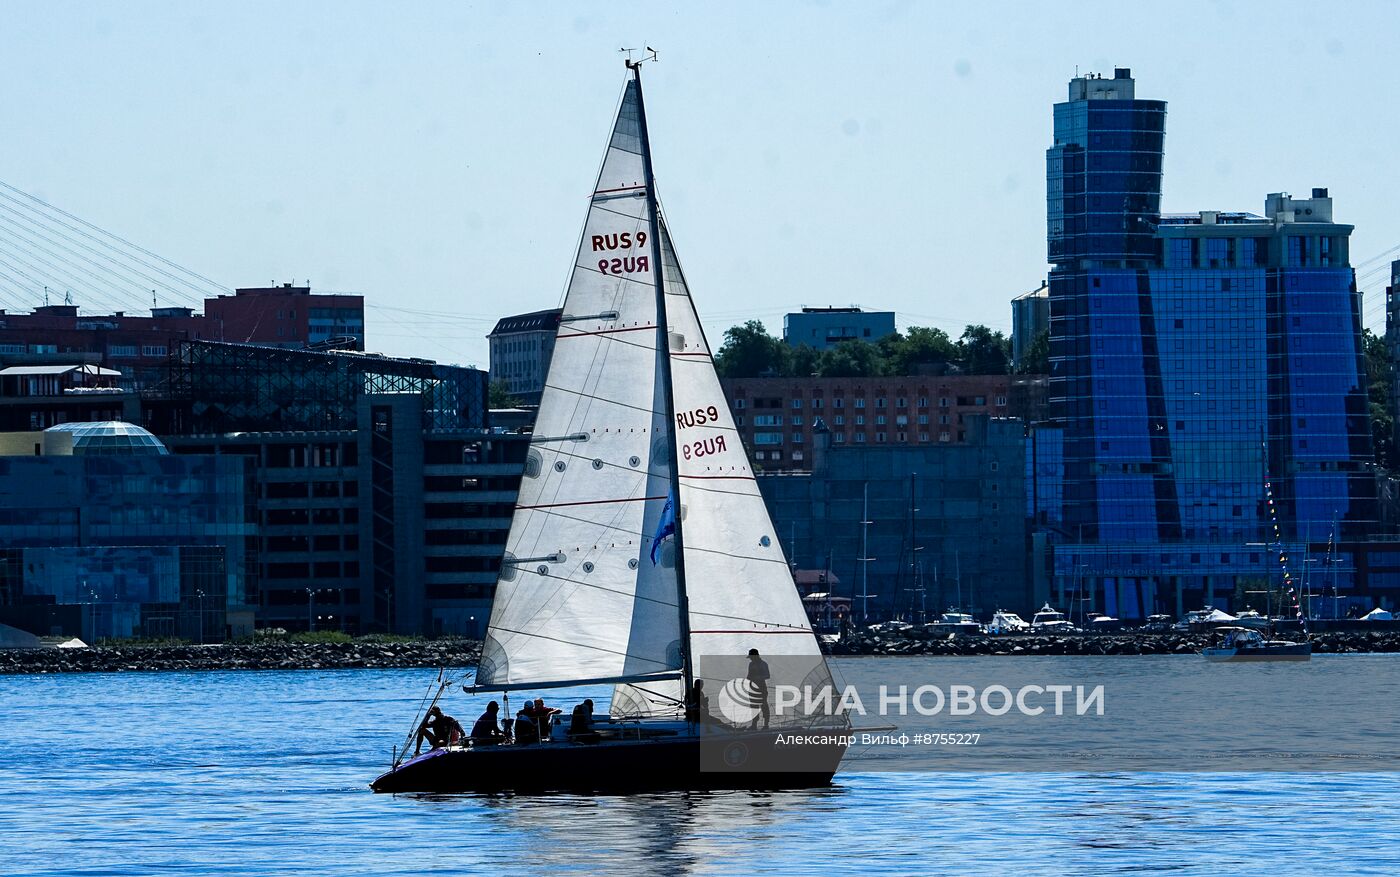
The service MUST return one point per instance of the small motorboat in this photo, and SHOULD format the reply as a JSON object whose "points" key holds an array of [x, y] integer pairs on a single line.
{"points": [[1246, 644], [955, 622], [1004, 623], [1051, 620]]}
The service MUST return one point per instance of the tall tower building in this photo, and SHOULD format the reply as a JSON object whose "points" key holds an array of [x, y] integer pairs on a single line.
{"points": [[1194, 359]]}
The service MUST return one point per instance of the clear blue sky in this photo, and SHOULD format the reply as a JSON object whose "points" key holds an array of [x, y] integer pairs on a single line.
{"points": [[436, 157]]}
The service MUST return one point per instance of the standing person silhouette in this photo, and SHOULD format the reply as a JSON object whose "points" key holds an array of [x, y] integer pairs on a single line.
{"points": [[758, 684]]}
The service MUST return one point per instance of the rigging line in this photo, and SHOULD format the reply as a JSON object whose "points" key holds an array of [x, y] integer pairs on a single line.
{"points": [[124, 241], [721, 552], [622, 654], [129, 269], [605, 399], [64, 267]]}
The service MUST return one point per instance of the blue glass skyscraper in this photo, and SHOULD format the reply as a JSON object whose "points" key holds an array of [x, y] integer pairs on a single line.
{"points": [[1193, 359]]}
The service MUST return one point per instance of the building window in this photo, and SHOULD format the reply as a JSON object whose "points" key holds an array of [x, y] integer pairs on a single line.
{"points": [[739, 420], [901, 437], [767, 420], [923, 420], [901, 402], [767, 438], [923, 436], [879, 438], [797, 455], [153, 350], [121, 350], [879, 420], [838, 437], [942, 401], [796, 403], [838, 403], [995, 465], [860, 420], [816, 403], [923, 401], [1001, 401], [739, 403], [860, 438], [943, 436], [760, 455], [797, 438], [796, 420], [880, 402], [860, 403], [840, 420]]}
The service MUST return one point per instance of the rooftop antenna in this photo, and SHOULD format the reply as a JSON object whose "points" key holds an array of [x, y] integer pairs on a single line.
{"points": [[46, 296], [68, 297], [153, 299]]}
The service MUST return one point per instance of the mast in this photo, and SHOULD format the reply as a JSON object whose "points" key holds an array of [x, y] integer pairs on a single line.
{"points": [[663, 348]]}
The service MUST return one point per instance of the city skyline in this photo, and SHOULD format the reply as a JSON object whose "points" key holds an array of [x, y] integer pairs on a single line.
{"points": [[371, 152]]}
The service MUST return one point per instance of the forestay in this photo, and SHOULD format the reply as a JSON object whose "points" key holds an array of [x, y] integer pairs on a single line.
{"points": [[579, 598]]}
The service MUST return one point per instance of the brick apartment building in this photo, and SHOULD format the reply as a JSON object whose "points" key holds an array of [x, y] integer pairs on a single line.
{"points": [[289, 316], [776, 416]]}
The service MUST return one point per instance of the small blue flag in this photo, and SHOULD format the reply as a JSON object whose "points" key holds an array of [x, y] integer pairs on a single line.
{"points": [[665, 527]]}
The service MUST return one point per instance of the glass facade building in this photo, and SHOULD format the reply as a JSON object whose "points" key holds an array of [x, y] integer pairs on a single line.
{"points": [[103, 545], [1194, 359]]}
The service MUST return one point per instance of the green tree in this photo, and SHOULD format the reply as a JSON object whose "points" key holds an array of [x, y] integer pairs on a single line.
{"points": [[924, 346], [984, 352], [803, 361], [849, 359], [1377, 359], [749, 352], [1036, 360], [499, 396]]}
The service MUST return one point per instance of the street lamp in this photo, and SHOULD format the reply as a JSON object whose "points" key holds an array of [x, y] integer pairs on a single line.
{"points": [[311, 607], [199, 592]]}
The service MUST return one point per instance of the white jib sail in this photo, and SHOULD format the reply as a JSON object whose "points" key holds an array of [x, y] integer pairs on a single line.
{"points": [[579, 597], [738, 582]]}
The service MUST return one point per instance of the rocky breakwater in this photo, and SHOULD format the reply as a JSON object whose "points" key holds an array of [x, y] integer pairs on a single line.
{"points": [[913, 642], [261, 656]]}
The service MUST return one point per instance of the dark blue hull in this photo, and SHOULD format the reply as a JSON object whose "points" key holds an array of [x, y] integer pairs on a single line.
{"points": [[679, 762]]}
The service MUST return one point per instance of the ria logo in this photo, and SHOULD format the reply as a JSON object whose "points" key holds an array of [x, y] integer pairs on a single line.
{"points": [[741, 701]]}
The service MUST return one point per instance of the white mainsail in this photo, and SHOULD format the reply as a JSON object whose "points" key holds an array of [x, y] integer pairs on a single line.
{"points": [[579, 598], [584, 594]]}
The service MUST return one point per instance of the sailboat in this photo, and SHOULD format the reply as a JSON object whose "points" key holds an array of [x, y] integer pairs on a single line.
{"points": [[641, 554]]}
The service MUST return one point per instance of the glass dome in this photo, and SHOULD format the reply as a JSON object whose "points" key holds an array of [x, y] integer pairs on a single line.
{"points": [[113, 438]]}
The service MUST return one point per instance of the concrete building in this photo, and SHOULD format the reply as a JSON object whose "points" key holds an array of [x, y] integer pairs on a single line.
{"points": [[948, 521], [521, 348], [136, 346], [104, 535], [821, 328], [1030, 316], [34, 397], [289, 316], [776, 416], [1206, 372], [382, 496]]}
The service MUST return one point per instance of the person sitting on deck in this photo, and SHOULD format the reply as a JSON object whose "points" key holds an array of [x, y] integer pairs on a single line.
{"points": [[486, 732], [543, 718], [581, 724], [697, 705], [526, 731], [438, 729]]}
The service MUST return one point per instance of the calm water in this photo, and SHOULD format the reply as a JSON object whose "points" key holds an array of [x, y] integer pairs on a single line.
{"points": [[265, 773]]}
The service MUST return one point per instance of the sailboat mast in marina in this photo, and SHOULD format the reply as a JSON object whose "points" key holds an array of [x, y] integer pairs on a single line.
{"points": [[640, 551]]}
